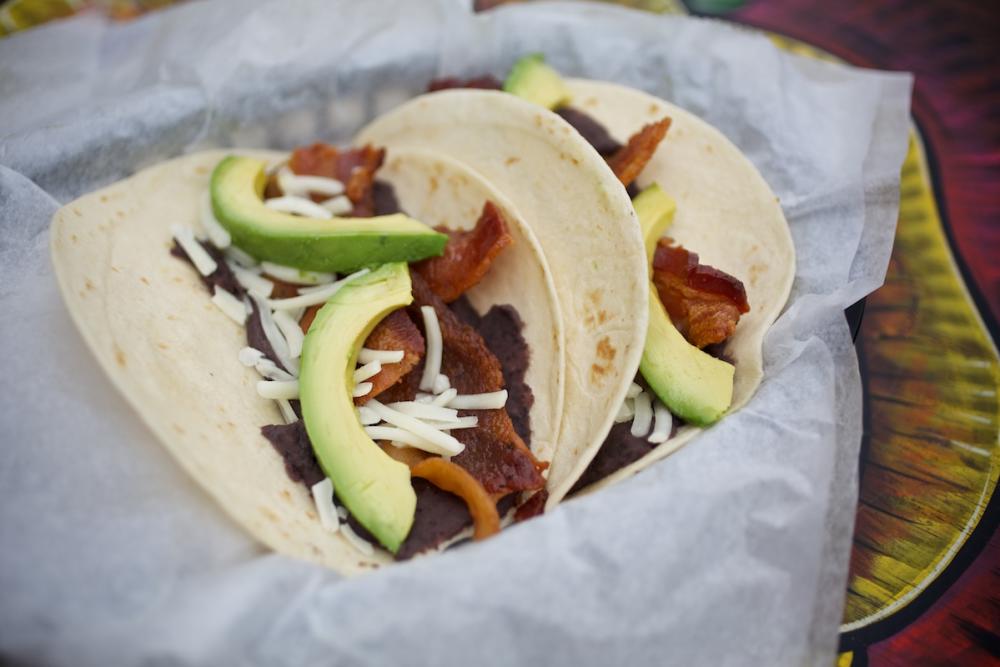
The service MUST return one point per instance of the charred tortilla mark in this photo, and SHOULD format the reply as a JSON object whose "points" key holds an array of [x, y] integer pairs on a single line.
{"points": [[119, 356], [74, 238], [511, 160], [104, 199], [268, 514], [286, 495], [162, 346], [89, 284], [179, 429], [605, 350], [433, 184], [78, 213], [144, 280]]}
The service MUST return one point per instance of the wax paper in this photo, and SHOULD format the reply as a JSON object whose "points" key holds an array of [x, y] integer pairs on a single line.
{"points": [[731, 552]]}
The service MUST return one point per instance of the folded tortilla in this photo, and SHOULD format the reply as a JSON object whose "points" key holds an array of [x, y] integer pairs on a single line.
{"points": [[173, 354]]}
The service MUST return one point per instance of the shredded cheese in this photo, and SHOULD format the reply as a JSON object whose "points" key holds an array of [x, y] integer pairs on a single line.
{"points": [[322, 493], [338, 205], [251, 281], [364, 548], [633, 390], [369, 370], [314, 297], [424, 411], [292, 332], [441, 384], [460, 422], [443, 398], [493, 400], [217, 234], [643, 415], [362, 389], [296, 184], [194, 250], [625, 412], [446, 445], [275, 389], [367, 416], [307, 208], [287, 413], [235, 309], [275, 337], [401, 437], [290, 274], [432, 362], [239, 256], [663, 423], [367, 355]]}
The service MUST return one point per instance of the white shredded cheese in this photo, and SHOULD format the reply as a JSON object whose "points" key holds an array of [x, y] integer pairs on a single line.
{"points": [[493, 400], [314, 297], [290, 274], [292, 332], [253, 358], [195, 251], [663, 422], [459, 422], [217, 234], [424, 411], [633, 390], [240, 257], [364, 548], [625, 412], [342, 513], [432, 362], [441, 399], [367, 416], [643, 415], [441, 384], [367, 355], [249, 356], [322, 493], [274, 389], [401, 437], [338, 205], [371, 369], [421, 397], [298, 206], [446, 444], [274, 336], [297, 184], [235, 309], [251, 281], [286, 411], [362, 389]]}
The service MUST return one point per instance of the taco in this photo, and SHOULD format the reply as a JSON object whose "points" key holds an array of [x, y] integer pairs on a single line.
{"points": [[351, 384], [718, 251]]}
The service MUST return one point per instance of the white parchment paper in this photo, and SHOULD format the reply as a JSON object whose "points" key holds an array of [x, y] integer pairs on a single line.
{"points": [[731, 552]]}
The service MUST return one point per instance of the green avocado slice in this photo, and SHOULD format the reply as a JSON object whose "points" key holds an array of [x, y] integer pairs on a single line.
{"points": [[375, 488], [693, 384], [531, 79], [338, 244]]}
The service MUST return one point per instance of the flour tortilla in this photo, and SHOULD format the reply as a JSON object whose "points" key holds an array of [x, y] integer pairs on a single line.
{"points": [[726, 213], [587, 229], [173, 354]]}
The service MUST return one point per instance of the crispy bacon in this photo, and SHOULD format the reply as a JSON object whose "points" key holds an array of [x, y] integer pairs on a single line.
{"points": [[630, 160], [494, 453], [455, 479], [396, 332], [532, 507], [467, 256], [486, 82], [355, 168], [704, 303]]}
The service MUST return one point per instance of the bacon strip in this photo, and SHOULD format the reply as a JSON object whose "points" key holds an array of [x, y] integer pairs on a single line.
{"points": [[396, 332], [494, 453], [355, 168], [467, 256], [454, 479], [631, 159], [704, 303], [532, 507]]}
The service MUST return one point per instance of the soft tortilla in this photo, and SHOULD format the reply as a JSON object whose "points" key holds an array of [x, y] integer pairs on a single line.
{"points": [[726, 213], [173, 354], [587, 228]]}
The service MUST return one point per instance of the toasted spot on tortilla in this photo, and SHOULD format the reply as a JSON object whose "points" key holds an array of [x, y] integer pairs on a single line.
{"points": [[595, 296], [201, 169], [315, 549], [511, 160], [434, 184], [709, 149], [179, 429], [605, 350], [120, 214], [312, 515], [78, 213], [271, 516], [144, 280], [172, 318], [590, 102], [88, 283], [654, 109], [74, 238], [119, 356], [162, 345], [755, 271], [286, 495], [104, 199]]}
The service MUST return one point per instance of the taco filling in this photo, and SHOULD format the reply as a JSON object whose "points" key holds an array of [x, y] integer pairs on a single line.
{"points": [[699, 302], [436, 388]]}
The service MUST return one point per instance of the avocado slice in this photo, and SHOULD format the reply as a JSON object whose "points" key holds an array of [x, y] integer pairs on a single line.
{"points": [[693, 384], [339, 245], [375, 488], [531, 79]]}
